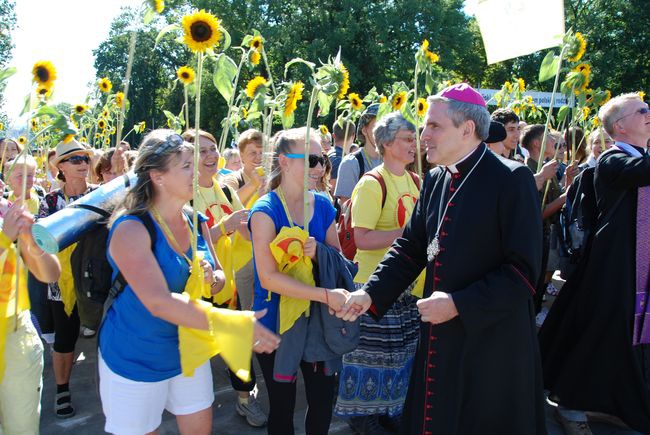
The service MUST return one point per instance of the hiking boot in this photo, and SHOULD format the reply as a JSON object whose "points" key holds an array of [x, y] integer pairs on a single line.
{"points": [[367, 425], [573, 427], [252, 411], [600, 417]]}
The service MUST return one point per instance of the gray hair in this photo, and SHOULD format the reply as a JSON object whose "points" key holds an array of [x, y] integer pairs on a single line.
{"points": [[460, 112], [230, 153], [614, 109], [387, 127]]}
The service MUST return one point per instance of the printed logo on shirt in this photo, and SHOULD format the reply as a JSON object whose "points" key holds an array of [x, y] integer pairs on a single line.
{"points": [[405, 206], [225, 209]]}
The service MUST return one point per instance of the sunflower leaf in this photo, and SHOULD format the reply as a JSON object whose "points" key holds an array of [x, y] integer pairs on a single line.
{"points": [[164, 31], [6, 73], [549, 66], [227, 40], [224, 75], [562, 114], [324, 102], [429, 83], [407, 112], [287, 121], [148, 16], [27, 106], [310, 65]]}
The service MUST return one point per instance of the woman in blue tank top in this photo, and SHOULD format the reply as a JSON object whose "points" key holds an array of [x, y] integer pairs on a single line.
{"points": [[139, 360]]}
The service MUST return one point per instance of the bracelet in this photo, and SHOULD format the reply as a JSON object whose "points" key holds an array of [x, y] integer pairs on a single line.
{"points": [[327, 298]]}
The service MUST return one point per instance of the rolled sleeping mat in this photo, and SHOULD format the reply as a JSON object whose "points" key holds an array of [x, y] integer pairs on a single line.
{"points": [[65, 227]]}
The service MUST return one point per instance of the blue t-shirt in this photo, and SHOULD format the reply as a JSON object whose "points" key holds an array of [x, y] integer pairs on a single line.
{"points": [[335, 155], [135, 344], [269, 204]]}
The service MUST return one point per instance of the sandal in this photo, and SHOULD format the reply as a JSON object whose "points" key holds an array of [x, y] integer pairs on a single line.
{"points": [[63, 405]]}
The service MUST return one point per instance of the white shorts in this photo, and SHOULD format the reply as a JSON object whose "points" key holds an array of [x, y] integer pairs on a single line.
{"points": [[133, 407]]}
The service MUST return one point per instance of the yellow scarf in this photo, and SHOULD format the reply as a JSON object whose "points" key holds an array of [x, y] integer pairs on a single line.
{"points": [[66, 281], [9, 306]]}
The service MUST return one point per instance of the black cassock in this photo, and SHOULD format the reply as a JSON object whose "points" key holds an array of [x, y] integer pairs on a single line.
{"points": [[480, 372], [586, 341]]}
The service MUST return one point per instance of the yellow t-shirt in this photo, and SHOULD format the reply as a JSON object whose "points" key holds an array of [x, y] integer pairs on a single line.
{"points": [[401, 196], [215, 204], [33, 203]]}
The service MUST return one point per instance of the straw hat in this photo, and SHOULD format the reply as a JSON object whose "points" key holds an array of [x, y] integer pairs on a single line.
{"points": [[67, 149]]}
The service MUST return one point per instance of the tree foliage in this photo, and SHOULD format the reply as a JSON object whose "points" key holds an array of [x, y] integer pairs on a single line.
{"points": [[7, 25]]}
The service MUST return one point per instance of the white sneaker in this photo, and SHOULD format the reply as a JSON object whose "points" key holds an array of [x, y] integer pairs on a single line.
{"points": [[87, 332]]}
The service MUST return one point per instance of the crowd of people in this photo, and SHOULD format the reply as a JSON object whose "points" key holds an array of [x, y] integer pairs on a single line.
{"points": [[410, 302]]}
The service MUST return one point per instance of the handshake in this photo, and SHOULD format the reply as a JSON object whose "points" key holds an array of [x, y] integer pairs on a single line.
{"points": [[347, 305]]}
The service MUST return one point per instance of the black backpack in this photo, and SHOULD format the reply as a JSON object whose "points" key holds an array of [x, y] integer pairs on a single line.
{"points": [[92, 272]]}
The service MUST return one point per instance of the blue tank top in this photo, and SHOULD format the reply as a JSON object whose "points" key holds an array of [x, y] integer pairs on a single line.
{"points": [[135, 344], [269, 204]]}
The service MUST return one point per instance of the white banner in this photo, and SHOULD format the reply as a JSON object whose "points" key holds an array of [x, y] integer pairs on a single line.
{"points": [[513, 28], [542, 99]]}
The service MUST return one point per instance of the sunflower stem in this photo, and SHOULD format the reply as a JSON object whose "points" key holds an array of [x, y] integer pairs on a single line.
{"points": [[417, 122], [310, 112], [195, 182], [268, 71], [187, 108], [226, 126], [127, 79]]}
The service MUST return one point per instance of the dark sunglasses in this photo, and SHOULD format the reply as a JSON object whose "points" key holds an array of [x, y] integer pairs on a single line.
{"points": [[314, 159], [641, 111], [77, 160]]}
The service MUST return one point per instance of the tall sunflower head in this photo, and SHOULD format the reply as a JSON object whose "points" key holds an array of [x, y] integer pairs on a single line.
{"points": [[185, 75], [119, 99], [294, 95], [201, 31], [398, 100], [323, 130], [256, 43], [507, 86], [254, 86], [608, 96], [422, 107], [585, 113], [101, 124], [521, 84], [105, 85], [355, 101], [159, 6], [255, 57], [383, 99], [577, 47], [430, 56], [44, 74], [34, 123], [345, 81], [80, 109], [43, 91], [22, 140]]}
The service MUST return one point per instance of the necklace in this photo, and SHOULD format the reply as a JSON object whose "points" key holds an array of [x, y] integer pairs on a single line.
{"points": [[169, 234], [434, 247]]}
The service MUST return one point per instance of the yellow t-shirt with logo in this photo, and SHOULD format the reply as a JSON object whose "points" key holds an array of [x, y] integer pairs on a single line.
{"points": [[214, 204], [401, 196]]}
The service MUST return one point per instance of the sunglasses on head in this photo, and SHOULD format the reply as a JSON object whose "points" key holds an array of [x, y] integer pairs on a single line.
{"points": [[173, 140], [77, 160], [314, 159]]}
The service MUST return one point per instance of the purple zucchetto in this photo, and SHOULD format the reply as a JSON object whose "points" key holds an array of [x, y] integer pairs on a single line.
{"points": [[464, 93]]}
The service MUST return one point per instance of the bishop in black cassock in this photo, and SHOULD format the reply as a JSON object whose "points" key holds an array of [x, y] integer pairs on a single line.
{"points": [[477, 230]]}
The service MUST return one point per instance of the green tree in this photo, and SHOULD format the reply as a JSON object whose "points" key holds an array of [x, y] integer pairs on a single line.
{"points": [[7, 25]]}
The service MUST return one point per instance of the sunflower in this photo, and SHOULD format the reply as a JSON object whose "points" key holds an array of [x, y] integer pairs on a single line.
{"points": [[641, 95], [595, 122], [398, 100], [68, 138], [586, 111], [79, 109], [97, 135], [516, 110], [142, 125], [508, 87], [2, 126], [44, 74], [432, 57], [255, 57], [355, 101], [528, 100], [522, 84], [113, 130], [256, 43], [159, 6], [345, 81], [101, 124], [201, 31], [107, 141], [185, 74], [608, 96], [382, 99], [294, 95], [578, 48], [105, 113], [34, 123], [105, 85], [323, 130], [254, 85], [583, 68], [22, 140], [43, 91], [422, 106], [119, 98], [244, 112]]}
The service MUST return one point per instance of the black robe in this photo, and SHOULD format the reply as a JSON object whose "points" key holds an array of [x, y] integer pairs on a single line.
{"points": [[586, 341], [478, 373]]}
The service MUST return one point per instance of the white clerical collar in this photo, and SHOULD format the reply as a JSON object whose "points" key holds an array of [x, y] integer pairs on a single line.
{"points": [[629, 149], [453, 169]]}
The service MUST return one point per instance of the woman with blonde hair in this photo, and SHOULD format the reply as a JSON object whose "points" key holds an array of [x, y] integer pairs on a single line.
{"points": [[139, 357]]}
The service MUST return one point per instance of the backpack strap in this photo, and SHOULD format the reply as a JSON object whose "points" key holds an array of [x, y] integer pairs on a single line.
{"points": [[362, 164], [382, 183], [415, 178], [227, 192]]}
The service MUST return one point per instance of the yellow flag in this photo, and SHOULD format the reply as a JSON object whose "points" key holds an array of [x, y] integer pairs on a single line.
{"points": [[288, 250], [224, 253], [230, 335], [66, 281], [418, 288]]}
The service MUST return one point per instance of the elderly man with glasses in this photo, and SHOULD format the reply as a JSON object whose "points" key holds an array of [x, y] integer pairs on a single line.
{"points": [[595, 340]]}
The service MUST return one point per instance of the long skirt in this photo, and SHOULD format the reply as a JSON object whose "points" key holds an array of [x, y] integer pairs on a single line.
{"points": [[375, 376]]}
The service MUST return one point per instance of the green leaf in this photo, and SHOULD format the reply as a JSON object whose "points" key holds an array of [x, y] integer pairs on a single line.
{"points": [[384, 109], [324, 102], [224, 75], [6, 73], [227, 40], [429, 84], [311, 65], [407, 112], [27, 106], [287, 121], [148, 16], [549, 67], [164, 31], [562, 114]]}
